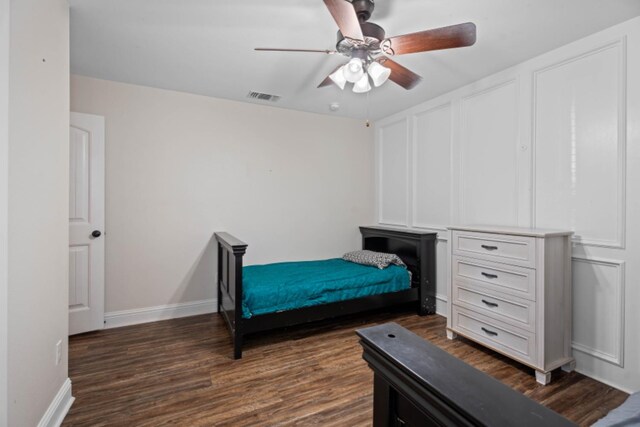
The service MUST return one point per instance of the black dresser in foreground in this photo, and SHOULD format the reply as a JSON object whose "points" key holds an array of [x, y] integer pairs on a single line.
{"points": [[418, 384]]}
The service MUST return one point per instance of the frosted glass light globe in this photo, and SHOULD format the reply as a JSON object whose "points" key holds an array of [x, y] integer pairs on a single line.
{"points": [[338, 77], [354, 70], [378, 73], [362, 85]]}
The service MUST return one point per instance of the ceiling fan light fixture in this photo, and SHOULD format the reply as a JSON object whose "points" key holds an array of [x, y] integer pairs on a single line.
{"points": [[378, 73], [354, 70], [338, 78], [362, 85], [363, 42]]}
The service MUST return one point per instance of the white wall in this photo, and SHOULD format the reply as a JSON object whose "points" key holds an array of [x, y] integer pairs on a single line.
{"points": [[38, 207], [179, 167], [4, 174], [553, 142]]}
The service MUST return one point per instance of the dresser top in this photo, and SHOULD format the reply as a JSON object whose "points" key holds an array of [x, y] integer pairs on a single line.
{"points": [[515, 231]]}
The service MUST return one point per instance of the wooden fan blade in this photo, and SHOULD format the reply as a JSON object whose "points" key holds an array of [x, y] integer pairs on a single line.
{"points": [[438, 38], [401, 75], [327, 81], [345, 16], [268, 49]]}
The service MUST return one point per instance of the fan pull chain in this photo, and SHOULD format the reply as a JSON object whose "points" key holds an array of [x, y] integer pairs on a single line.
{"points": [[367, 123]]}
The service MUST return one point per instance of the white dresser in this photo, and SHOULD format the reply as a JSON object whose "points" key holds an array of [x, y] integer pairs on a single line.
{"points": [[510, 290]]}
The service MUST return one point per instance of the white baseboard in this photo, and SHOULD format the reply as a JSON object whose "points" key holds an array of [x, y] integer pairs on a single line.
{"points": [[117, 319], [59, 407], [441, 305], [605, 381]]}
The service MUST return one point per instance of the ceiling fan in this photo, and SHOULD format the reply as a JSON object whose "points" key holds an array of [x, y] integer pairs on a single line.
{"points": [[369, 49]]}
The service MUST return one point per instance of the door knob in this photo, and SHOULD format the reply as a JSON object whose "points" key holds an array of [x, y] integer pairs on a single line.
{"points": [[96, 233]]}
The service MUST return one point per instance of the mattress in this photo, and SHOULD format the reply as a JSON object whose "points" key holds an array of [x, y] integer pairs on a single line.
{"points": [[272, 288]]}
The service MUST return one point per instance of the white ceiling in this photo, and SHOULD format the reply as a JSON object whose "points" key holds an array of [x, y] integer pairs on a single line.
{"points": [[206, 46]]}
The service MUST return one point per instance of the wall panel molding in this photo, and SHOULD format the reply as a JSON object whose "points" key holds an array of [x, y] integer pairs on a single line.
{"points": [[401, 219], [439, 176], [615, 357], [620, 44], [510, 198]]}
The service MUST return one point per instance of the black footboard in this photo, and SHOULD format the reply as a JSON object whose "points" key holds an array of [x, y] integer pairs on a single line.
{"points": [[230, 253], [418, 384]]}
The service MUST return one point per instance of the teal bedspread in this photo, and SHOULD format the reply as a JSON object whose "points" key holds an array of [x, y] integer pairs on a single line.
{"points": [[289, 285]]}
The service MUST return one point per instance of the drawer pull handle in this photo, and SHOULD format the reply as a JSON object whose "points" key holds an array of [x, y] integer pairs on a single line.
{"points": [[489, 276], [489, 248], [489, 332], [489, 303]]}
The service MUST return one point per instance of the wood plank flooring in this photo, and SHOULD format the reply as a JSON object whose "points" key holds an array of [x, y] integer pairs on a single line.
{"points": [[180, 372]]}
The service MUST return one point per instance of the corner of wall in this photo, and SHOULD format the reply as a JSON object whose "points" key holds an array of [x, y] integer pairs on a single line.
{"points": [[34, 160], [59, 407], [4, 148]]}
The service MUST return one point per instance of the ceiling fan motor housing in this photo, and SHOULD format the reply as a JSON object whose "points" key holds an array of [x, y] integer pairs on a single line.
{"points": [[373, 36], [363, 9]]}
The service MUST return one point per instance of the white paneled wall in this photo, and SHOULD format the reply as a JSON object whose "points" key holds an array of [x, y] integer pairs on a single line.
{"points": [[393, 173], [579, 128], [432, 167], [553, 142], [599, 291], [488, 167]]}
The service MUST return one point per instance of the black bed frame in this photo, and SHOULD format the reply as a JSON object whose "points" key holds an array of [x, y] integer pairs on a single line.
{"points": [[416, 249], [417, 384]]}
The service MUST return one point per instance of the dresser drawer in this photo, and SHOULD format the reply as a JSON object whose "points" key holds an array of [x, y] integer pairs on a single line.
{"points": [[516, 250], [506, 339], [511, 310], [502, 278]]}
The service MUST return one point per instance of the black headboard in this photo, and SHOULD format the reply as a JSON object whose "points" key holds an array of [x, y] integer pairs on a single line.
{"points": [[417, 249]]}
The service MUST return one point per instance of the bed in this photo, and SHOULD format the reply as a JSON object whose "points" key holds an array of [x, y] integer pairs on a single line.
{"points": [[263, 297]]}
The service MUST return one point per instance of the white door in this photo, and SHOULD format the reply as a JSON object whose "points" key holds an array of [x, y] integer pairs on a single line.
{"points": [[86, 223]]}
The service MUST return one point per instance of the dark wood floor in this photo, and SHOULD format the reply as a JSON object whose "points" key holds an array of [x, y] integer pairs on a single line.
{"points": [[180, 372]]}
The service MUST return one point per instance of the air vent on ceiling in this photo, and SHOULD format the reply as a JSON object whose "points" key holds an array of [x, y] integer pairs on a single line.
{"points": [[263, 96]]}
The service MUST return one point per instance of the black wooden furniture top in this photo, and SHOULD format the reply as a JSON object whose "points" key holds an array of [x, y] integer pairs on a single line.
{"points": [[429, 374], [395, 232], [231, 242]]}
